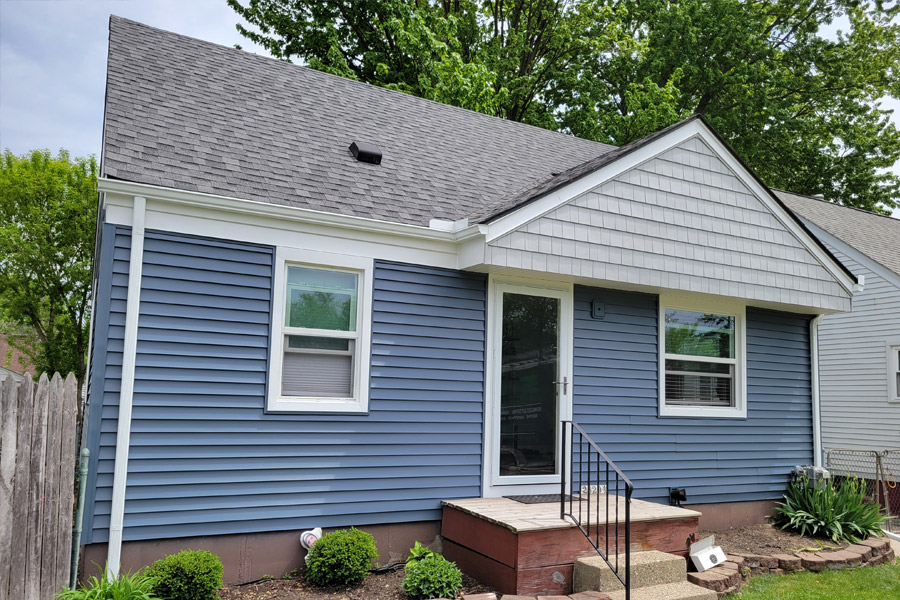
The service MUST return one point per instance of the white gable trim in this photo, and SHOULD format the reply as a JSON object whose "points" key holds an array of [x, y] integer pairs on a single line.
{"points": [[695, 128]]}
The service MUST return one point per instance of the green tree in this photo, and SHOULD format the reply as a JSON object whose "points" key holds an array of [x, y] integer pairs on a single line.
{"points": [[48, 218], [801, 109]]}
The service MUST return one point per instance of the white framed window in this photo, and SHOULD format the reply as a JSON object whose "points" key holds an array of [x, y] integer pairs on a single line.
{"points": [[701, 360], [893, 371], [321, 313]]}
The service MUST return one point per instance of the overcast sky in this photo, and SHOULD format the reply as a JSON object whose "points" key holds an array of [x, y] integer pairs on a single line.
{"points": [[53, 64]]}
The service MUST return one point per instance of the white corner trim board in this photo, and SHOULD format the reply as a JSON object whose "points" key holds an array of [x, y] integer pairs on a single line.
{"points": [[814, 389], [126, 394]]}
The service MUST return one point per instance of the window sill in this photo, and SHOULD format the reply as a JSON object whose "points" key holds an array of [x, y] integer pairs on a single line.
{"points": [[316, 405], [702, 412]]}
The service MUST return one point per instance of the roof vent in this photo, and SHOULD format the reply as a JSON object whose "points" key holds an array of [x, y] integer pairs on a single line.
{"points": [[819, 196], [366, 153]]}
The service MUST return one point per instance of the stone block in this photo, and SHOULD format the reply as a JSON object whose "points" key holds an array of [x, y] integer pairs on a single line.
{"points": [[776, 571], [878, 545], [811, 561], [588, 595], [717, 579], [488, 596], [514, 597], [759, 570], [889, 556], [840, 559], [788, 562], [736, 559], [864, 551]]}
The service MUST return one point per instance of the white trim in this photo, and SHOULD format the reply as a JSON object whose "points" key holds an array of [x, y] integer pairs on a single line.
{"points": [[696, 128], [493, 484], [739, 312], [892, 348], [126, 393], [257, 222], [814, 389], [359, 404]]}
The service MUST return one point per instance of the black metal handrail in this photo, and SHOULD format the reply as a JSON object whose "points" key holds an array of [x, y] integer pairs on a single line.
{"points": [[582, 455]]}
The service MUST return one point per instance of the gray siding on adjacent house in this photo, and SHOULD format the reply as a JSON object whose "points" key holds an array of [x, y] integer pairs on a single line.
{"points": [[206, 458], [681, 221], [853, 368], [717, 460]]}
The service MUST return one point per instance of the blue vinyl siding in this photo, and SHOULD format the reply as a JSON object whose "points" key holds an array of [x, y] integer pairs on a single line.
{"points": [[206, 458], [717, 460]]}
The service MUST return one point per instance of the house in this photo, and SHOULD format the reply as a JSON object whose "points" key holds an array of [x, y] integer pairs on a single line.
{"points": [[323, 303], [859, 351]]}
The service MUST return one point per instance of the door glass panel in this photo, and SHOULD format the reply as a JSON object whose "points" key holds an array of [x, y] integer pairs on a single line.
{"points": [[529, 410]]}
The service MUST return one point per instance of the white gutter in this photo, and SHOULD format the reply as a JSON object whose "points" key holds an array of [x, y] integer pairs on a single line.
{"points": [[814, 388], [126, 393]]}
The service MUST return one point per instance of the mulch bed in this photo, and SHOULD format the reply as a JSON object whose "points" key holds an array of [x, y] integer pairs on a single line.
{"points": [[383, 585], [767, 540]]}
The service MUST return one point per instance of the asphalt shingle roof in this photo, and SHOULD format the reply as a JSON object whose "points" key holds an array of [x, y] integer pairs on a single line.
{"points": [[876, 236], [192, 115]]}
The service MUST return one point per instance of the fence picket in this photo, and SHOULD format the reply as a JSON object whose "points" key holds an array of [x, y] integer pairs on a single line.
{"points": [[50, 501], [20, 502], [9, 409], [68, 452], [36, 493]]}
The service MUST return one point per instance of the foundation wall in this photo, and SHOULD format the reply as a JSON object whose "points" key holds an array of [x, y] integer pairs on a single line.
{"points": [[247, 557], [731, 515]]}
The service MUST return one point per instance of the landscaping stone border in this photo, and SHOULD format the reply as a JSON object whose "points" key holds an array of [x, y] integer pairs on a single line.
{"points": [[728, 577]]}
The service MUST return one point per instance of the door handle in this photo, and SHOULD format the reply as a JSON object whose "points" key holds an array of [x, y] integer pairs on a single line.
{"points": [[565, 384]]}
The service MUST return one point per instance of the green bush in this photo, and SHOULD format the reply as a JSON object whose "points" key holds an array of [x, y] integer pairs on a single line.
{"points": [[341, 557], [840, 512], [126, 587], [432, 577], [188, 575], [418, 552]]}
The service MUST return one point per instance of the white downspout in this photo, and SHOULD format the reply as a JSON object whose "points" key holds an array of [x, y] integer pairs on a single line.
{"points": [[814, 388], [126, 393]]}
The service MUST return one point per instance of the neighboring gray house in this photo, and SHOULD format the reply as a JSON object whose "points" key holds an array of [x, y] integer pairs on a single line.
{"points": [[293, 334], [859, 351]]}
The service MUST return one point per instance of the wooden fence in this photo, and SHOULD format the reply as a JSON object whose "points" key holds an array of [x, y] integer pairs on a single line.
{"points": [[37, 473]]}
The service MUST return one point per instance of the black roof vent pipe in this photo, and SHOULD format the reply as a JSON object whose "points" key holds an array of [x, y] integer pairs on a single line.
{"points": [[366, 153]]}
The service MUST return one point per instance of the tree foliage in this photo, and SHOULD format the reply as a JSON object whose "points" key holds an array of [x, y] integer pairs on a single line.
{"points": [[48, 217], [800, 107]]}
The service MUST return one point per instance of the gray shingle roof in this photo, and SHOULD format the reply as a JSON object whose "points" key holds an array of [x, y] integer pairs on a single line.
{"points": [[191, 115], [876, 236]]}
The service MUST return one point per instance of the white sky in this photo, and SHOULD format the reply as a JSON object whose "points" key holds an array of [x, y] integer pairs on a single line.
{"points": [[53, 64]]}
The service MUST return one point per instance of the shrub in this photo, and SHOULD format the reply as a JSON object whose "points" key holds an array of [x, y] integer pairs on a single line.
{"points": [[840, 512], [188, 575], [432, 577], [418, 552], [341, 557], [125, 587]]}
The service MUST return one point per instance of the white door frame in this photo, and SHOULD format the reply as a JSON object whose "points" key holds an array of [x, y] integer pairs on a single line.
{"points": [[493, 485]]}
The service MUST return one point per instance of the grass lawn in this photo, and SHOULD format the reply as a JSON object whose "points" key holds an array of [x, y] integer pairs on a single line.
{"points": [[865, 583]]}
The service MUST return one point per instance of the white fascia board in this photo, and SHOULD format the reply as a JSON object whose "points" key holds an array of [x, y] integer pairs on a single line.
{"points": [[271, 224], [696, 128]]}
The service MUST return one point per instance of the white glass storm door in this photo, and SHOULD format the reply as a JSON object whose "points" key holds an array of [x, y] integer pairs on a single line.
{"points": [[529, 387]]}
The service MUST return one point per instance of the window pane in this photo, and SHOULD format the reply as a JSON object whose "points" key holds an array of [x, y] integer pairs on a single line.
{"points": [[321, 299], [698, 383], [699, 334], [313, 375], [528, 392], [317, 343]]}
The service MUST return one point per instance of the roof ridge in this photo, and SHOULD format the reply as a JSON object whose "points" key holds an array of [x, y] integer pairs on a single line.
{"points": [[828, 202], [378, 88]]}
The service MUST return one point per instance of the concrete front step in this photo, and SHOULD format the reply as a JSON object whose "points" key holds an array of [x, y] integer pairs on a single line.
{"points": [[667, 591], [651, 568]]}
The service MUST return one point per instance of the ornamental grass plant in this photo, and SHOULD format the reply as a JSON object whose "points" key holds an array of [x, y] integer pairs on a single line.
{"points": [[841, 512]]}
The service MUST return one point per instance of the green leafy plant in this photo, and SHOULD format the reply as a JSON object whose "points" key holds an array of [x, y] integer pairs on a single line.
{"points": [[418, 552], [341, 557], [839, 512], [292, 574], [136, 586], [432, 577], [188, 575]]}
